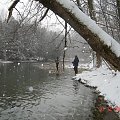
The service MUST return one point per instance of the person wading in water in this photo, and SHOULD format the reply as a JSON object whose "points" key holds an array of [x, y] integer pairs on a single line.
{"points": [[75, 64], [57, 63]]}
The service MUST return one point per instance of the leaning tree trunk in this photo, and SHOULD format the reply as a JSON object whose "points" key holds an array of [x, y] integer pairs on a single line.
{"points": [[67, 12], [93, 39]]}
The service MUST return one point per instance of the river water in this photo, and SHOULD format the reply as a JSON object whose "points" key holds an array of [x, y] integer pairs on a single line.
{"points": [[28, 92]]}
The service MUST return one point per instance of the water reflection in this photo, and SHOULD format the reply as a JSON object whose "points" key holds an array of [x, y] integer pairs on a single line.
{"points": [[76, 86], [30, 93]]}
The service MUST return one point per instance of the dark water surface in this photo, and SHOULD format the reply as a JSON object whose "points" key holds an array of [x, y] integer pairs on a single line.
{"points": [[30, 93]]}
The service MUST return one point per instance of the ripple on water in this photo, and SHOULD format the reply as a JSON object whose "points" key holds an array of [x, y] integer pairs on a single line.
{"points": [[46, 97]]}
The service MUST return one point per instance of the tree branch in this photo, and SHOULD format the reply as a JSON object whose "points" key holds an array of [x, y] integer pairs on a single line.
{"points": [[11, 9]]}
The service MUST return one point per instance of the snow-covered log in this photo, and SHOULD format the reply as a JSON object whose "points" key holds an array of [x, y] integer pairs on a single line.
{"points": [[99, 40]]}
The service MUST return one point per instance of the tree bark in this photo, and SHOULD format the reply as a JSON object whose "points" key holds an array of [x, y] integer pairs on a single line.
{"points": [[118, 7], [65, 45], [92, 15]]}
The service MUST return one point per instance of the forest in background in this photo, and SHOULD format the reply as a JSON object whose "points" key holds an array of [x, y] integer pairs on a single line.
{"points": [[27, 41], [106, 13]]}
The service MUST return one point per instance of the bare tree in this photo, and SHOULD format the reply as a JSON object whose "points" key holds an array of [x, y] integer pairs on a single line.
{"points": [[107, 17], [65, 45], [92, 15]]}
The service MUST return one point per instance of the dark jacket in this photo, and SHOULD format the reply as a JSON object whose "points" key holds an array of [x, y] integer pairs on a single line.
{"points": [[75, 62]]}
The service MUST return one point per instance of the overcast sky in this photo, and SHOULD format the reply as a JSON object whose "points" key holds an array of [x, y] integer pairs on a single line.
{"points": [[49, 22]]}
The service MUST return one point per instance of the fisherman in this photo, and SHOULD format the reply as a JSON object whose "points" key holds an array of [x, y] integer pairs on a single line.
{"points": [[75, 64], [57, 63]]}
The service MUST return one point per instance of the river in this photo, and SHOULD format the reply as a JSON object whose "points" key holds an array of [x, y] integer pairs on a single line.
{"points": [[28, 92]]}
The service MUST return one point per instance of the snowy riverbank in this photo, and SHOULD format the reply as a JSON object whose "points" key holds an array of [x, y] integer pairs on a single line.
{"points": [[107, 83]]}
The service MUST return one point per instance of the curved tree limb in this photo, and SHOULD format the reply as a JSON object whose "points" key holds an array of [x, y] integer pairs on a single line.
{"points": [[11, 9]]}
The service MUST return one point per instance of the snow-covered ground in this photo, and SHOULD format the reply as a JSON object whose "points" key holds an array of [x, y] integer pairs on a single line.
{"points": [[106, 81]]}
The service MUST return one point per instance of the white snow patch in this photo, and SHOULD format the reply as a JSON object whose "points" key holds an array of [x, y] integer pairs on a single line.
{"points": [[30, 88], [106, 81]]}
